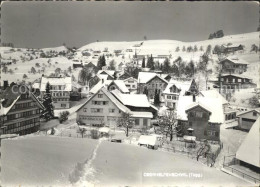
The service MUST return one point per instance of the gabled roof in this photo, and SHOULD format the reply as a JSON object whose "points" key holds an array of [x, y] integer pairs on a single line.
{"points": [[167, 89], [236, 75], [130, 78], [245, 112], [145, 77], [9, 98], [119, 83], [214, 105], [135, 100], [109, 72], [197, 104], [213, 94], [235, 60], [184, 86], [249, 149], [111, 97], [55, 81]]}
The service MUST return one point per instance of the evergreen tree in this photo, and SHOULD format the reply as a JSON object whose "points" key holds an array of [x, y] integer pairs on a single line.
{"points": [[150, 63], [99, 63], [143, 62], [183, 48], [33, 70], [103, 61], [166, 65], [177, 49], [195, 49], [112, 65], [47, 113], [254, 48], [157, 97]]}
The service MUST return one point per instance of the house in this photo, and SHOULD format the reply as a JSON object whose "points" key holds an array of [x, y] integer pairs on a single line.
{"points": [[104, 109], [231, 48], [247, 119], [92, 67], [230, 83], [19, 110], [247, 155], [175, 89], [233, 65], [124, 76], [111, 85], [120, 66], [77, 65], [135, 102], [60, 88], [131, 84], [151, 82], [200, 117]]}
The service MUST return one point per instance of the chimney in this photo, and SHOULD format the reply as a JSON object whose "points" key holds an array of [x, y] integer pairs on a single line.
{"points": [[5, 84], [194, 98]]}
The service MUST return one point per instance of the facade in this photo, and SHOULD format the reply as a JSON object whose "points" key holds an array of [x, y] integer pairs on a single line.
{"points": [[247, 119], [200, 117], [232, 83], [60, 88], [151, 82], [19, 111], [231, 48], [104, 109], [131, 84], [233, 65]]}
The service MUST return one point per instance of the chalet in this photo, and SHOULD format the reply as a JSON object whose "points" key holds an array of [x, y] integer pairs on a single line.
{"points": [[131, 84], [231, 48], [175, 89], [104, 109], [111, 85], [231, 83], [19, 110], [77, 65], [151, 81], [60, 88], [247, 119], [233, 65], [92, 67], [86, 53], [200, 117]]}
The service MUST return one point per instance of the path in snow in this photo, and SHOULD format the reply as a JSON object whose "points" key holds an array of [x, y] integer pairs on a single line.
{"points": [[83, 173]]}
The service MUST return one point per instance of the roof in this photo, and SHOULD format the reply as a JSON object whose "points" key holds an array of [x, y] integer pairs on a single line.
{"points": [[55, 81], [245, 112], [109, 72], [181, 85], [236, 60], [147, 140], [144, 77], [130, 79], [142, 114], [236, 75], [136, 100], [119, 83], [111, 97], [214, 105], [9, 98], [214, 94], [249, 149]]}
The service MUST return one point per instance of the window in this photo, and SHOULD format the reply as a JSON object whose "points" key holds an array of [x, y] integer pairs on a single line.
{"points": [[100, 95], [96, 110], [111, 110], [119, 111], [199, 114], [63, 105], [85, 110], [169, 97], [254, 113], [239, 80], [136, 121], [133, 86], [105, 102]]}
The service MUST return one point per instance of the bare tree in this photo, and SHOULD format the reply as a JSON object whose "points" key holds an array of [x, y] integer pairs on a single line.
{"points": [[126, 122], [167, 124]]}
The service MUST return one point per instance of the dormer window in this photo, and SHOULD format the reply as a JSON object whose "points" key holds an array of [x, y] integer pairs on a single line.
{"points": [[254, 113]]}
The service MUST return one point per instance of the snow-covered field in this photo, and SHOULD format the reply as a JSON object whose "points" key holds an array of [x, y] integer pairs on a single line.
{"points": [[59, 161]]}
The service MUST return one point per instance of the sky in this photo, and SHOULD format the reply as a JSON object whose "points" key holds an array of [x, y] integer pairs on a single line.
{"points": [[50, 24]]}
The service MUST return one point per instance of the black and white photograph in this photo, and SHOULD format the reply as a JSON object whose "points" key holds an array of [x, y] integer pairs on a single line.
{"points": [[129, 93]]}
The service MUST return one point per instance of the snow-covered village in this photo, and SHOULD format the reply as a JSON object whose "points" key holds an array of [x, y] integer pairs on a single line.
{"points": [[143, 111]]}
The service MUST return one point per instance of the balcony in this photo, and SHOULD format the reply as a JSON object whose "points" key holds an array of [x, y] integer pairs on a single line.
{"points": [[21, 119], [23, 109]]}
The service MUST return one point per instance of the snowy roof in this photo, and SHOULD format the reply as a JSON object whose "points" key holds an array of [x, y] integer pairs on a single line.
{"points": [[214, 105], [144, 77], [181, 85], [249, 149], [130, 78], [104, 129], [119, 83], [245, 112], [147, 140], [56, 81], [136, 100], [236, 75], [142, 114], [236, 60], [214, 94], [109, 72]]}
